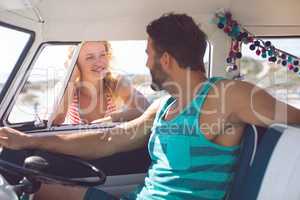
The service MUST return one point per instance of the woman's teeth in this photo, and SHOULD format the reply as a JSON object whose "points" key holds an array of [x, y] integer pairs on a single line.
{"points": [[98, 70]]}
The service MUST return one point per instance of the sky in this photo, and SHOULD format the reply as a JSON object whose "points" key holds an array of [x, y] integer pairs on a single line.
{"points": [[130, 56], [11, 45]]}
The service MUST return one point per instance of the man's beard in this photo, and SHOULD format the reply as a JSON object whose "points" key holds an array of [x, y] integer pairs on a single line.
{"points": [[158, 76]]}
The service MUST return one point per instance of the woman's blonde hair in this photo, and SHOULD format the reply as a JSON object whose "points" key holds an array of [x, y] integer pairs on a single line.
{"points": [[110, 80]]}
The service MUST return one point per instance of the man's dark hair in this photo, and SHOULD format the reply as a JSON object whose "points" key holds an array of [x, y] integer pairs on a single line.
{"points": [[179, 35]]}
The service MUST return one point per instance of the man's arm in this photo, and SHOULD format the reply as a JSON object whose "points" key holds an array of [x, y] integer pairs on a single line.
{"points": [[125, 137], [253, 105]]}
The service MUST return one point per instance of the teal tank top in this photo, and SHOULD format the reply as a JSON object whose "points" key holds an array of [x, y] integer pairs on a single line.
{"points": [[185, 165]]}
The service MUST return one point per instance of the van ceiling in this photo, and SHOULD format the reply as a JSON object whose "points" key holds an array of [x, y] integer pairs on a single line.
{"points": [[126, 19]]}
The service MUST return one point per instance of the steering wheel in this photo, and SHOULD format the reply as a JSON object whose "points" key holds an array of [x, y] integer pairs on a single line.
{"points": [[42, 169]]}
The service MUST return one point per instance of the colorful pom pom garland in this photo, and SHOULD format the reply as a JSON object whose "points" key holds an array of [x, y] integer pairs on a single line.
{"points": [[265, 49]]}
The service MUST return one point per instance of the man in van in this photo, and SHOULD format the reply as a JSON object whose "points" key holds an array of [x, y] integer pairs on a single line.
{"points": [[193, 136]]}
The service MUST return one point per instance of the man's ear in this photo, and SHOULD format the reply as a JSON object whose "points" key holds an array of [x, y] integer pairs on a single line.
{"points": [[165, 61]]}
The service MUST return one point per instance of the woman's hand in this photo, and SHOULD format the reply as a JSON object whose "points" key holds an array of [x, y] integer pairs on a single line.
{"points": [[14, 139], [103, 120]]}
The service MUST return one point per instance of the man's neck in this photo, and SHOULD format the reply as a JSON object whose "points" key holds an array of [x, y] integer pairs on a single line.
{"points": [[187, 87]]}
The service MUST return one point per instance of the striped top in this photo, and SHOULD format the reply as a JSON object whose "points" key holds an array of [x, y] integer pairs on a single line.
{"points": [[74, 117], [185, 164]]}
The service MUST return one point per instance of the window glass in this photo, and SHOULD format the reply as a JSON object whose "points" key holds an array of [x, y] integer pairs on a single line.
{"points": [[275, 78], [12, 44], [129, 58], [41, 89]]}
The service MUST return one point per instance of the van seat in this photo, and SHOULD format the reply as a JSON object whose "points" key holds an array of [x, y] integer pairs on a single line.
{"points": [[274, 171]]}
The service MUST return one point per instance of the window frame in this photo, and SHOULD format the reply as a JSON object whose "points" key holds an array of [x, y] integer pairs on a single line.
{"points": [[29, 125]]}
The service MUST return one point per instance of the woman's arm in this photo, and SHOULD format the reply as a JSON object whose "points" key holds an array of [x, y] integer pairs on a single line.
{"points": [[136, 103]]}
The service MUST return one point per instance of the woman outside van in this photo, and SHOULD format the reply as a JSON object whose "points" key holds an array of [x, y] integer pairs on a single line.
{"points": [[94, 94]]}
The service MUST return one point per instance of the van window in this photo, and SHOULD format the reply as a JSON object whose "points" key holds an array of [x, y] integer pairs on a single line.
{"points": [[129, 58], [275, 78], [13, 41], [44, 85], [38, 95]]}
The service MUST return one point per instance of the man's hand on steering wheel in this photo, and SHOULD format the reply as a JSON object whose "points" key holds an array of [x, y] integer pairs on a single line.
{"points": [[14, 139]]}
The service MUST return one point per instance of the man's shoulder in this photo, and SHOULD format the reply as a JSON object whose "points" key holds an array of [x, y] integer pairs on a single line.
{"points": [[231, 92], [234, 86], [236, 94]]}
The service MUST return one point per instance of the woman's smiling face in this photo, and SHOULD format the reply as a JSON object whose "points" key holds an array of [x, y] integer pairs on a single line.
{"points": [[93, 60]]}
